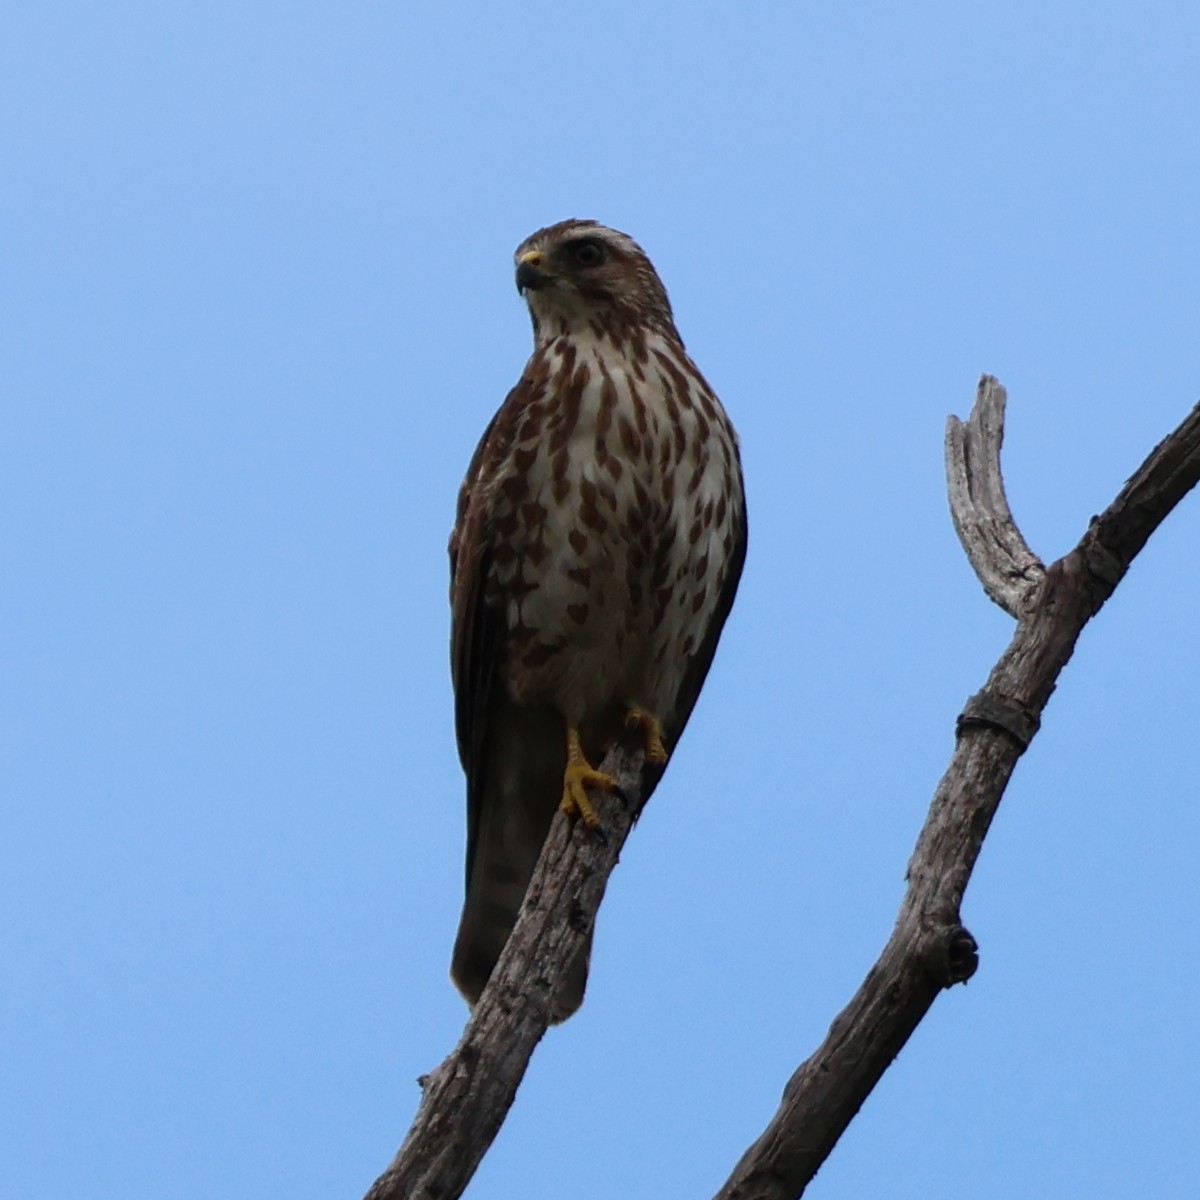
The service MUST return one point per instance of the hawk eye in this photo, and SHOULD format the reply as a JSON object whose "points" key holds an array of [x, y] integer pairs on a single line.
{"points": [[588, 253]]}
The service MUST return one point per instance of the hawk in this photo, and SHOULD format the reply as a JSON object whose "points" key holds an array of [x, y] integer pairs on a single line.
{"points": [[600, 536]]}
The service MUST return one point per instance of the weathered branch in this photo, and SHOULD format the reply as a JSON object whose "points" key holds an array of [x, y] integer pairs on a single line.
{"points": [[929, 949], [467, 1097], [1007, 568]]}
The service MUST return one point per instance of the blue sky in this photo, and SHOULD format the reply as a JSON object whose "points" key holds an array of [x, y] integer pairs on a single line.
{"points": [[258, 306]]}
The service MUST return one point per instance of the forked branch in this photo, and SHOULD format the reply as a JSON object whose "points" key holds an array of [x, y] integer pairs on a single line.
{"points": [[929, 949], [467, 1097]]}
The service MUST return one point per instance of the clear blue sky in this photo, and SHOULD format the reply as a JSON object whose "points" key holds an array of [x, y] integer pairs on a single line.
{"points": [[258, 306]]}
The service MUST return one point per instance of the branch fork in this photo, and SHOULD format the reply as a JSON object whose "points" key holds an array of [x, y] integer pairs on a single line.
{"points": [[466, 1098]]}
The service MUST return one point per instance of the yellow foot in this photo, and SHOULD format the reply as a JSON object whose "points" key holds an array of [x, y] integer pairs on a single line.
{"points": [[579, 776], [656, 752]]}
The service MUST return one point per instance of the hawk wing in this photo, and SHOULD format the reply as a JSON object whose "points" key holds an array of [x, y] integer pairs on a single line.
{"points": [[476, 628], [513, 756]]}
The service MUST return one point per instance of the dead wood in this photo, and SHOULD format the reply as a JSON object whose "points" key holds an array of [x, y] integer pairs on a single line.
{"points": [[466, 1098]]}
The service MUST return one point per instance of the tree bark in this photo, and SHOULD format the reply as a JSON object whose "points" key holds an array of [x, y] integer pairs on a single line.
{"points": [[466, 1099], [929, 949]]}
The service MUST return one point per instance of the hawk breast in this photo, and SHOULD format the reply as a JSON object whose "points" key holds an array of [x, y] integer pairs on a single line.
{"points": [[613, 525]]}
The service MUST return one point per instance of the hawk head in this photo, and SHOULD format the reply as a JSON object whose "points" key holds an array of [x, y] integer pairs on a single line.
{"points": [[578, 274]]}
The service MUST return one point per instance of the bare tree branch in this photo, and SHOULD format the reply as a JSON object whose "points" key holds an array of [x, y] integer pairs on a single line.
{"points": [[466, 1099], [929, 949], [1007, 568]]}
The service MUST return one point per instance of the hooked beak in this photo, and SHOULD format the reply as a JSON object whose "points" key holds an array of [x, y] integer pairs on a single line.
{"points": [[530, 274]]}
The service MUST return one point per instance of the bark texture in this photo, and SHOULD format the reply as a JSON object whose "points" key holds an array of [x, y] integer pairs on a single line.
{"points": [[465, 1100], [929, 949], [467, 1097]]}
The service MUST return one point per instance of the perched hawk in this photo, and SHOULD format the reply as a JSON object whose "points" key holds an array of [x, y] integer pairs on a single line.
{"points": [[600, 536]]}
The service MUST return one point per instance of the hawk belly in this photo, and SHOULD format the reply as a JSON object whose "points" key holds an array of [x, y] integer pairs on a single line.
{"points": [[608, 592]]}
